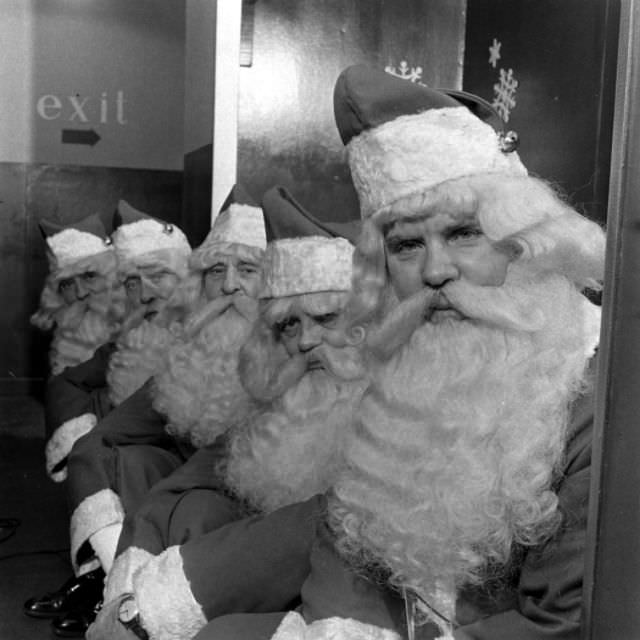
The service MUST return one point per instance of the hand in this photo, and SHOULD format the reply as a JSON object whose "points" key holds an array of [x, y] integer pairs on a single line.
{"points": [[106, 626]]}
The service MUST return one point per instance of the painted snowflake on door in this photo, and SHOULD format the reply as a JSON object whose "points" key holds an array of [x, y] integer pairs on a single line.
{"points": [[404, 71], [504, 92], [494, 52]]}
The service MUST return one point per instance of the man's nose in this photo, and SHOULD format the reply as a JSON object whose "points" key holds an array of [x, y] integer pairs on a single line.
{"points": [[82, 291], [147, 292], [310, 336], [439, 268], [230, 284]]}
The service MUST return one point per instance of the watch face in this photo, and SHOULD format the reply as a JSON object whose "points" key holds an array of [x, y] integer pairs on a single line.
{"points": [[128, 610]]}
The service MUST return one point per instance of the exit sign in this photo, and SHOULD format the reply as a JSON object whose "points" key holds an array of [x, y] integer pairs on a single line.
{"points": [[83, 110]]}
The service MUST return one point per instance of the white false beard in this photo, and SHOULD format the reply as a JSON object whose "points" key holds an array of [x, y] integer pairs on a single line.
{"points": [[141, 353], [458, 440], [79, 332], [288, 452], [199, 391]]}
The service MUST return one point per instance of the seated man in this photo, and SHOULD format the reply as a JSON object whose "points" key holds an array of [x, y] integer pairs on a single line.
{"points": [[152, 260], [81, 301], [461, 511], [306, 372]]}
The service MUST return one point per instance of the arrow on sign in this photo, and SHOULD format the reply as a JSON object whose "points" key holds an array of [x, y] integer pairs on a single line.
{"points": [[80, 136]]}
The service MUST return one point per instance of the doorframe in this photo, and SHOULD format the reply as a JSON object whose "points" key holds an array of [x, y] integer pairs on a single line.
{"points": [[612, 563]]}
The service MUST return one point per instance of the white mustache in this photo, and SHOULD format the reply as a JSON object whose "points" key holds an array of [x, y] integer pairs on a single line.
{"points": [[399, 324], [509, 306], [344, 363], [247, 307], [506, 307]]}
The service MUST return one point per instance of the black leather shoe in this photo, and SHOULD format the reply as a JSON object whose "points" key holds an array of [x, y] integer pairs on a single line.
{"points": [[75, 623], [76, 593]]}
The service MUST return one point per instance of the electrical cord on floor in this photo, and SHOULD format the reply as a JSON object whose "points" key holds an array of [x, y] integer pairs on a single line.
{"points": [[8, 527]]}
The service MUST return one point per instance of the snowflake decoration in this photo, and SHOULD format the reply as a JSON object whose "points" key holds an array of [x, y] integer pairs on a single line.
{"points": [[404, 71], [504, 91], [494, 53]]}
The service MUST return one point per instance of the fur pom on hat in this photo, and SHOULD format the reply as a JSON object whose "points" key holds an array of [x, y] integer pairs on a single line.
{"points": [[313, 264], [142, 240], [68, 245], [403, 138]]}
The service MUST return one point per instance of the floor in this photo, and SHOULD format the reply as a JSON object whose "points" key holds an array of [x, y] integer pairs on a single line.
{"points": [[34, 558]]}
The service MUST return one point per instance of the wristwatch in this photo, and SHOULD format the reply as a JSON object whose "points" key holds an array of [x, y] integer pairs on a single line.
{"points": [[129, 616]]}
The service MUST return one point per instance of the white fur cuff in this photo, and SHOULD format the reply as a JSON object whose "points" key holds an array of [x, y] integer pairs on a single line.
{"points": [[293, 627], [120, 578], [62, 441], [95, 512], [168, 610]]}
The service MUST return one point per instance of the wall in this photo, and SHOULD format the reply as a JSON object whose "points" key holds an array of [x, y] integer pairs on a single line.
{"points": [[73, 72], [111, 67], [199, 73], [198, 117], [212, 44], [287, 133]]}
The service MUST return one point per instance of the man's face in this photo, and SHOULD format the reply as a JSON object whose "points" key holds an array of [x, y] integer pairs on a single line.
{"points": [[151, 287], [438, 249], [304, 334], [231, 274], [81, 286]]}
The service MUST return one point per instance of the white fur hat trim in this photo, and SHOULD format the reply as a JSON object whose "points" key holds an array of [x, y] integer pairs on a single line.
{"points": [[136, 239], [416, 152], [312, 264], [294, 627], [240, 224], [71, 245]]}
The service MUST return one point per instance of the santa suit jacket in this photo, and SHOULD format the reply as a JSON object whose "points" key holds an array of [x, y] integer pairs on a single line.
{"points": [[265, 563]]}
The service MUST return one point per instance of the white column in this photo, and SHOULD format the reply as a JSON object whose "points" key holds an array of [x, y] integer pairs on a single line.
{"points": [[225, 101]]}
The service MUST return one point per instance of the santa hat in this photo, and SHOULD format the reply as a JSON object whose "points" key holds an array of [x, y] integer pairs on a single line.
{"points": [[142, 241], [285, 217], [240, 222], [403, 138], [70, 244], [313, 264]]}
